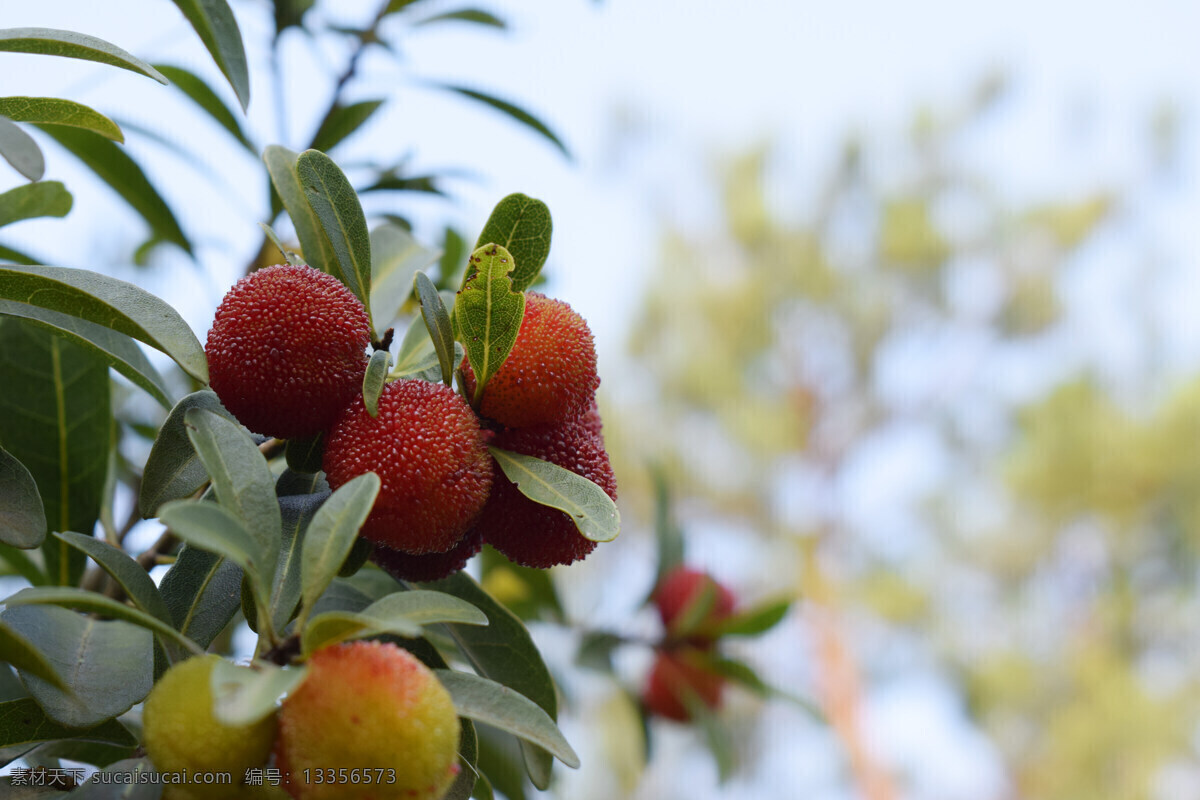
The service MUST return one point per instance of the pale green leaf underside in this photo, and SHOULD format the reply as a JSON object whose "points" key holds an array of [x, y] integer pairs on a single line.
{"points": [[590, 508], [69, 44]]}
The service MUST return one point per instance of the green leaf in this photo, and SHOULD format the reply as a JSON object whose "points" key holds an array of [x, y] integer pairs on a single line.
{"points": [[318, 250], [475, 15], [340, 122], [10, 256], [127, 779], [288, 256], [531, 592], [293, 482], [116, 349], [68, 44], [485, 700], [454, 251], [218, 29], [203, 95], [395, 258], [60, 112], [753, 621], [521, 225], [488, 313], [468, 755], [716, 736], [24, 722], [245, 695], [116, 168], [203, 592], [108, 665], [127, 572], [500, 762], [304, 455], [332, 533], [174, 470], [22, 516], [391, 180], [331, 627], [20, 150], [70, 597], [504, 652], [590, 508], [216, 529], [519, 114], [42, 199], [22, 653], [398, 613], [374, 379], [57, 421], [21, 564], [336, 205], [417, 358], [668, 536], [242, 480], [437, 321], [297, 512], [596, 649]]}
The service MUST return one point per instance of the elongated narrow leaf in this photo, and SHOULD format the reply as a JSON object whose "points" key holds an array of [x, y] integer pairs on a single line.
{"points": [[318, 250], [753, 621], [174, 470], [475, 15], [488, 314], [590, 508], [68, 44], [437, 321], [519, 114], [22, 517], [341, 122], [19, 563], [521, 225], [202, 95], [116, 349], [218, 29], [20, 150], [288, 256], [42, 199], [202, 591], [668, 536], [215, 529], [245, 695], [341, 216], [116, 168], [374, 380], [485, 700], [395, 258], [242, 480], [332, 532], [468, 757], [60, 112], [22, 653], [398, 613], [504, 652], [297, 512], [108, 664], [57, 421], [10, 256], [124, 570], [70, 597], [23, 722]]}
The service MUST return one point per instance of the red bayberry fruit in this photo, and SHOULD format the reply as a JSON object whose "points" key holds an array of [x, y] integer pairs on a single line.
{"points": [[531, 534], [679, 593], [429, 567], [676, 678], [549, 376], [428, 450], [287, 350]]}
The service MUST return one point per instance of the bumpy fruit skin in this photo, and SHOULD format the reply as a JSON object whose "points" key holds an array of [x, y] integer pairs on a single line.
{"points": [[428, 450], [429, 567], [676, 675], [287, 350], [682, 587], [369, 705], [549, 376], [180, 732], [531, 534]]}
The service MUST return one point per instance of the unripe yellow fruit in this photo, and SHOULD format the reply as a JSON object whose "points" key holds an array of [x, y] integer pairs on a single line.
{"points": [[377, 713], [180, 733]]}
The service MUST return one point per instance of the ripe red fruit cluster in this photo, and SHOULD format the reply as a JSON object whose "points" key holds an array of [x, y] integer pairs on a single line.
{"points": [[287, 356], [690, 603]]}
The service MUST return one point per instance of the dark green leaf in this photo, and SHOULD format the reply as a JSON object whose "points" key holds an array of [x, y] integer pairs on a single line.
{"points": [[174, 470], [519, 114], [304, 455], [753, 621], [20, 150], [116, 349], [107, 664], [521, 225], [22, 565], [24, 722], [122, 173], [488, 313], [57, 421], [290, 13], [43, 199], [125, 571], [22, 652], [500, 762], [294, 482], [218, 29], [60, 112], [590, 508], [297, 512], [336, 205], [22, 516], [437, 322], [390, 181], [340, 122], [10, 256], [596, 649], [485, 700], [395, 258], [667, 533], [468, 755], [318, 250], [475, 15], [202, 95], [202, 591], [356, 559], [332, 533], [374, 379], [398, 5], [68, 44]]}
